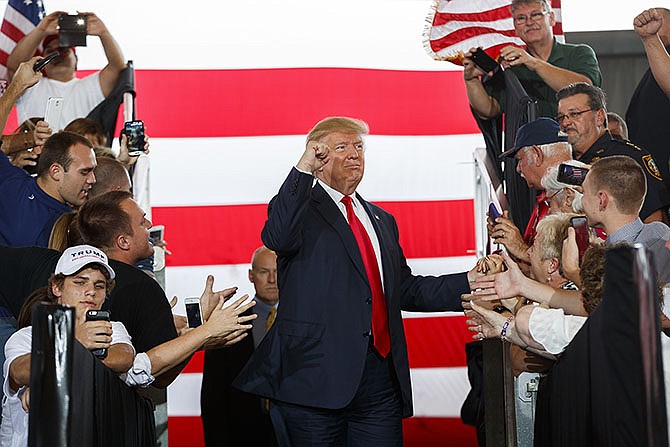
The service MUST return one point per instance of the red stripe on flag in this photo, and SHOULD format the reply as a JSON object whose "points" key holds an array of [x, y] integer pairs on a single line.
{"points": [[437, 432], [185, 431], [3, 58], [196, 364], [432, 342], [11, 31], [225, 103], [436, 342], [435, 229], [466, 33], [218, 103], [417, 432], [492, 15]]}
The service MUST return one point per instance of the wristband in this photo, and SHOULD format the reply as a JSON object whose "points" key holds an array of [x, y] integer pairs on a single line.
{"points": [[503, 333]]}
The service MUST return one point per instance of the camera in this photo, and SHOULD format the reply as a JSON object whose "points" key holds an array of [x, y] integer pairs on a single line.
{"points": [[71, 30]]}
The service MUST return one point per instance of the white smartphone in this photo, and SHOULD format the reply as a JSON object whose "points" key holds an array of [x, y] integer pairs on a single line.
{"points": [[53, 112], [156, 235], [193, 311]]}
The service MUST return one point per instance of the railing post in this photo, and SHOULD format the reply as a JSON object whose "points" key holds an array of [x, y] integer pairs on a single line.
{"points": [[51, 376]]}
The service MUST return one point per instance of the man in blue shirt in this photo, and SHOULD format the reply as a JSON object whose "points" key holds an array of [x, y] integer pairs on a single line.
{"points": [[30, 206]]}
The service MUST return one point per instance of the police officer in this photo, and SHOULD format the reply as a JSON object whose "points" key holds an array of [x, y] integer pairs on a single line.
{"points": [[582, 115]]}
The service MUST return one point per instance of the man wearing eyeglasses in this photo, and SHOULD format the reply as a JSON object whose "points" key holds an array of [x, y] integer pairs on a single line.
{"points": [[582, 115], [544, 66]]}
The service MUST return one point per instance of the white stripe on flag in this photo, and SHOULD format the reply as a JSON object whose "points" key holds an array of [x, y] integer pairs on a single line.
{"points": [[18, 20], [424, 167], [188, 281], [438, 392]]}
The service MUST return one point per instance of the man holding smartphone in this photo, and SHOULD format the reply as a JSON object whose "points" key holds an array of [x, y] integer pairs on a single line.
{"points": [[80, 96], [543, 66]]}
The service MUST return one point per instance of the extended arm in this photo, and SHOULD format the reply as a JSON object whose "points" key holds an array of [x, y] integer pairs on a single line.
{"points": [[647, 25], [26, 47], [514, 283], [109, 75], [119, 358], [169, 358], [24, 78], [484, 105], [555, 77]]}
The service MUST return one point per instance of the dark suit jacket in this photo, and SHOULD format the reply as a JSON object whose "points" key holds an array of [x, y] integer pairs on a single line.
{"points": [[315, 352], [231, 417]]}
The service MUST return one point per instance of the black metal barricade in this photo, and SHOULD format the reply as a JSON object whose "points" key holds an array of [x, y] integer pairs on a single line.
{"points": [[607, 388], [75, 399]]}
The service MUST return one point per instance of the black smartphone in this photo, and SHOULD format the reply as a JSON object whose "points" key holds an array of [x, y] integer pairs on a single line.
{"points": [[134, 131], [193, 312], [581, 234], [97, 315], [39, 65], [571, 175], [484, 61], [493, 212], [71, 30]]}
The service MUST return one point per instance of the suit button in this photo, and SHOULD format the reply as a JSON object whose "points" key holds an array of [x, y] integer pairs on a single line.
{"points": [[367, 334], [369, 301]]}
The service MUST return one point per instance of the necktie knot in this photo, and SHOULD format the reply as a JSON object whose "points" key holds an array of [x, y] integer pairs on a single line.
{"points": [[346, 200]]}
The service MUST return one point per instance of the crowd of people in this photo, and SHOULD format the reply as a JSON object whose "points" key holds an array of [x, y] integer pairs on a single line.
{"points": [[332, 370], [546, 281]]}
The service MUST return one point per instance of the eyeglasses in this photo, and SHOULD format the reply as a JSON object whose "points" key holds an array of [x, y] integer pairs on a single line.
{"points": [[571, 115], [534, 17]]}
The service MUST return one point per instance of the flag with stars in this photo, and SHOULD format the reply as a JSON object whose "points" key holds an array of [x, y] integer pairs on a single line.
{"points": [[21, 17]]}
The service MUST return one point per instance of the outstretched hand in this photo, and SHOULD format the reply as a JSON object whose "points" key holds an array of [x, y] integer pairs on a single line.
{"points": [[503, 285], [209, 298]]}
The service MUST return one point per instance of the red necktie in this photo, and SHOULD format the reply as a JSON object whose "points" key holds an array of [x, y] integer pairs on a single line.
{"points": [[380, 325]]}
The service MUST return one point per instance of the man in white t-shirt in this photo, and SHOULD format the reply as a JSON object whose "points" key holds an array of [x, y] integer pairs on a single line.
{"points": [[80, 96], [82, 279]]}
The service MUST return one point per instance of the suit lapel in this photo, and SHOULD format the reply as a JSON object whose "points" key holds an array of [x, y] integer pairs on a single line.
{"points": [[332, 214], [382, 236]]}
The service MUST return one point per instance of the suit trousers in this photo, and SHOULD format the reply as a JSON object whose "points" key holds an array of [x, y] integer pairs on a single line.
{"points": [[372, 418]]}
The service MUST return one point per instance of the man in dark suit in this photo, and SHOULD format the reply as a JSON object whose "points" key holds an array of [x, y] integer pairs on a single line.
{"points": [[335, 362], [231, 417]]}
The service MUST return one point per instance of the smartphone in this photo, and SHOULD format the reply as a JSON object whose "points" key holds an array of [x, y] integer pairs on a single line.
{"points": [[134, 131], [71, 30], [581, 234], [484, 61], [193, 311], [97, 315], [39, 65], [571, 175], [53, 112], [493, 212], [156, 235]]}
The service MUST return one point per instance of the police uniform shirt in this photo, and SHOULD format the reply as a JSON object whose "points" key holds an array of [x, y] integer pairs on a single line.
{"points": [[657, 194]]}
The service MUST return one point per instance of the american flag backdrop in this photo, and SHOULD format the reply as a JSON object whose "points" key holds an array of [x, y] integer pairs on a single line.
{"points": [[21, 16], [227, 95], [455, 26]]}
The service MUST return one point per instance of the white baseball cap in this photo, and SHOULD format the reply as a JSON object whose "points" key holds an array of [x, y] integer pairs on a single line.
{"points": [[75, 258]]}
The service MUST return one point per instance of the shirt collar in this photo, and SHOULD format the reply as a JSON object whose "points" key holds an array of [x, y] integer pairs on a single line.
{"points": [[336, 195], [627, 233]]}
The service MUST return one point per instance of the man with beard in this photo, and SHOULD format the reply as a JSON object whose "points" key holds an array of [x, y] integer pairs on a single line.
{"points": [[80, 96]]}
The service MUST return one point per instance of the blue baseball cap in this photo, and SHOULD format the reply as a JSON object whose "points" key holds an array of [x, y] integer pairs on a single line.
{"points": [[541, 131]]}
